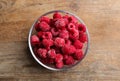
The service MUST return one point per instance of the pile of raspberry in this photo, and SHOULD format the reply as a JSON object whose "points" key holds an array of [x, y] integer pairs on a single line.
{"points": [[59, 40]]}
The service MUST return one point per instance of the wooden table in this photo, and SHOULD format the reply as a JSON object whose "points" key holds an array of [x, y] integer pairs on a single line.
{"points": [[102, 18]]}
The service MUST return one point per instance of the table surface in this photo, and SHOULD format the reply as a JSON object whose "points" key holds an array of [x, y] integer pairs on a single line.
{"points": [[102, 18]]}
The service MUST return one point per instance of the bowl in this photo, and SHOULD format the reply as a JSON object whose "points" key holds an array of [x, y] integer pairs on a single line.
{"points": [[50, 67]]}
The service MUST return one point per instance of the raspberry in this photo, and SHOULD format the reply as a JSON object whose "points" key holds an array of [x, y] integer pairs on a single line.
{"points": [[74, 35], [40, 34], [59, 42], [81, 27], [72, 19], [72, 49], [47, 35], [44, 26], [68, 49], [60, 23], [45, 19], [78, 44], [47, 43], [58, 58], [78, 55], [69, 60], [68, 42], [34, 40], [59, 65], [37, 27], [83, 38], [42, 52], [64, 34], [57, 15], [71, 27], [54, 31], [51, 53], [65, 57]]}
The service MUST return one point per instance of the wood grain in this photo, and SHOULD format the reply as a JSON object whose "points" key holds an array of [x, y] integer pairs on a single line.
{"points": [[102, 18]]}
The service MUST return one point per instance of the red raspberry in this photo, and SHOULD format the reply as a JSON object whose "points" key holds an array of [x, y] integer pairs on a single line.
{"points": [[59, 42], [59, 65], [78, 55], [71, 27], [74, 35], [58, 58], [65, 57], [34, 40], [44, 26], [68, 49], [45, 19], [51, 53], [37, 28], [69, 60], [83, 38], [60, 23], [64, 34], [42, 52], [72, 19], [81, 27], [57, 15], [72, 49], [47, 43], [54, 31], [68, 42], [47, 35], [40, 34], [78, 44]]}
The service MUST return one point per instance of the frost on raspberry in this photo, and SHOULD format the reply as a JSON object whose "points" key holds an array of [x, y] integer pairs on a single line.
{"points": [[51, 53], [74, 35], [60, 23], [69, 60], [64, 34], [42, 52], [54, 31], [59, 42]]}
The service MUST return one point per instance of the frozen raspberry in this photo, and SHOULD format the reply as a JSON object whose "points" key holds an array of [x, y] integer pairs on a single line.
{"points": [[42, 52], [81, 27], [68, 42], [59, 42], [60, 23], [44, 26], [57, 15], [64, 34], [74, 35], [45, 19], [34, 40], [37, 28], [71, 27], [72, 49], [54, 31], [51, 53], [78, 44], [72, 19], [65, 57], [47, 35], [40, 34], [69, 60], [59, 65], [68, 49], [58, 58], [83, 38], [78, 55], [47, 43]]}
